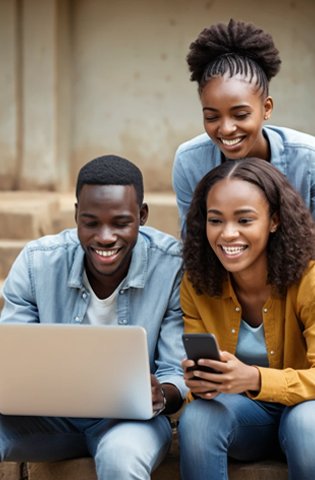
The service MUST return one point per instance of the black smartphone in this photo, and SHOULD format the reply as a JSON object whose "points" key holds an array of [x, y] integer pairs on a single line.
{"points": [[201, 345]]}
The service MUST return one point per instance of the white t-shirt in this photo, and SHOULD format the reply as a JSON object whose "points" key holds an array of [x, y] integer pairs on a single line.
{"points": [[101, 311]]}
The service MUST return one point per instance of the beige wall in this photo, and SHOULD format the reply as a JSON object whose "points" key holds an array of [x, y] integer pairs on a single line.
{"points": [[87, 77]]}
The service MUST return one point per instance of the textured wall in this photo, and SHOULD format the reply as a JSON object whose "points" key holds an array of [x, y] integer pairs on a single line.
{"points": [[80, 78]]}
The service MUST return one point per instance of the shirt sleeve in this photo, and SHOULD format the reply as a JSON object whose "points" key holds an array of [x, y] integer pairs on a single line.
{"points": [[290, 385], [170, 346], [182, 189], [18, 292]]}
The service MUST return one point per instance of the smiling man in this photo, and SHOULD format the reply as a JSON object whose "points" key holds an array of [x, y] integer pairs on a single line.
{"points": [[109, 271]]}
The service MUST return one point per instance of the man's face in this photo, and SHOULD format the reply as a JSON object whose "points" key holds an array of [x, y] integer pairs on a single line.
{"points": [[108, 219]]}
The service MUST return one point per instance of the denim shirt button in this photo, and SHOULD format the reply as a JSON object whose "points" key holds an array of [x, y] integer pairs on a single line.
{"points": [[77, 319], [84, 295], [121, 292]]}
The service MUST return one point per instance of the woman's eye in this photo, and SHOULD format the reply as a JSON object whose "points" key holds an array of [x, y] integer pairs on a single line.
{"points": [[210, 119], [242, 115], [214, 221], [245, 220]]}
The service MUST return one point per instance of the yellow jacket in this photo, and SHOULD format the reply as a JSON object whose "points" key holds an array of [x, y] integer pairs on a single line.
{"points": [[289, 324]]}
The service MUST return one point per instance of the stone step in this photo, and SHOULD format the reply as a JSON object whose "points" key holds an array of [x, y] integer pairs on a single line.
{"points": [[27, 215]]}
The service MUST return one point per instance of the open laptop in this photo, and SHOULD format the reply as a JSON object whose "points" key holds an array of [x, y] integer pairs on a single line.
{"points": [[74, 371]]}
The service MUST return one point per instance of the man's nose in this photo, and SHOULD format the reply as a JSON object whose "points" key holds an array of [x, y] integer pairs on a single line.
{"points": [[106, 234]]}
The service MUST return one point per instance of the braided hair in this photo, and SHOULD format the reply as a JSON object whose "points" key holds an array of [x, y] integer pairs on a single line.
{"points": [[235, 48]]}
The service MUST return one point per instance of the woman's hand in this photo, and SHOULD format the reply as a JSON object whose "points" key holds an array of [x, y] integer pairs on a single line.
{"points": [[233, 376]]}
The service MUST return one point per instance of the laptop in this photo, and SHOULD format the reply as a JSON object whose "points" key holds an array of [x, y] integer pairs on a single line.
{"points": [[75, 371]]}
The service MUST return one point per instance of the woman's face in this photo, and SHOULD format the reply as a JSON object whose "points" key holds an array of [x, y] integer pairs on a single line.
{"points": [[239, 225], [234, 111]]}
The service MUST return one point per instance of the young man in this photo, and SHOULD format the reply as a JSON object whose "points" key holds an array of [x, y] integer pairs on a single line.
{"points": [[110, 270]]}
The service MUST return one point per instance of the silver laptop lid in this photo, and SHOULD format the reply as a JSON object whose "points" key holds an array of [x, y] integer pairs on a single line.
{"points": [[74, 371]]}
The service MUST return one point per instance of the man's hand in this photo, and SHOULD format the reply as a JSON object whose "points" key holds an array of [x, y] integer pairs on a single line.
{"points": [[158, 396], [165, 397]]}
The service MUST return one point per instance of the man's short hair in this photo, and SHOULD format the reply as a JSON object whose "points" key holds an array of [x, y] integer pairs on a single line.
{"points": [[111, 170]]}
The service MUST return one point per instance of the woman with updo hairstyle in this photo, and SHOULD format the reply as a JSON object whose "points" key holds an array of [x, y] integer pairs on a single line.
{"points": [[233, 65], [249, 279]]}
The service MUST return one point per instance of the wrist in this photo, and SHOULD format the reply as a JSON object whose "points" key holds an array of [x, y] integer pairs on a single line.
{"points": [[157, 412]]}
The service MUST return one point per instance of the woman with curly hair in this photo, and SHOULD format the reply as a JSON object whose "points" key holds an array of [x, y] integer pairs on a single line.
{"points": [[249, 256], [233, 65]]}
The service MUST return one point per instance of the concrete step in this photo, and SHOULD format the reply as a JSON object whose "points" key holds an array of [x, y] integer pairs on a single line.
{"points": [[27, 215]]}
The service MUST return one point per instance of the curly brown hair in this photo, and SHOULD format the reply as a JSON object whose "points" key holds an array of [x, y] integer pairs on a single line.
{"points": [[237, 47], [289, 249]]}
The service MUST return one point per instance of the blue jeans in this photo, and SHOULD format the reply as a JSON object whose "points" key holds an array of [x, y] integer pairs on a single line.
{"points": [[122, 449], [236, 426]]}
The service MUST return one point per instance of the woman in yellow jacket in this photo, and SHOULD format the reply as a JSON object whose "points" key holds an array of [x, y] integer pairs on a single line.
{"points": [[250, 279]]}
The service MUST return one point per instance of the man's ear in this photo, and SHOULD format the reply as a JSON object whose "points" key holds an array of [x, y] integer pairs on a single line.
{"points": [[76, 212], [144, 213]]}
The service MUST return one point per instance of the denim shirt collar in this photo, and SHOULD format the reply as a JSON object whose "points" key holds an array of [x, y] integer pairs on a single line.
{"points": [[276, 148]]}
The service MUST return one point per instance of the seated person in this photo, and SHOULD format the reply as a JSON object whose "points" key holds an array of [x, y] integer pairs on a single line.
{"points": [[250, 280], [109, 262]]}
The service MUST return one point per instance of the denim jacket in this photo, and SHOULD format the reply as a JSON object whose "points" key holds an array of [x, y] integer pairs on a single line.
{"points": [[45, 285], [292, 152]]}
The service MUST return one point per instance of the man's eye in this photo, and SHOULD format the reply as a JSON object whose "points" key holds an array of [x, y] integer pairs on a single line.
{"points": [[122, 224], [90, 224], [245, 220]]}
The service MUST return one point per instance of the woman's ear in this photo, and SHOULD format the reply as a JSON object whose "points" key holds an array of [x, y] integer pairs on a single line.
{"points": [[274, 223], [144, 213], [268, 107]]}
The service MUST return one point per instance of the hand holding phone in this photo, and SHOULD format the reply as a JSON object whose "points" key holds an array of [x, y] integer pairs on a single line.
{"points": [[201, 345]]}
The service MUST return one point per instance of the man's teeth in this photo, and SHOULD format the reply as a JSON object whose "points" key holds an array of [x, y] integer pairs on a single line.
{"points": [[106, 253], [233, 250], [231, 142]]}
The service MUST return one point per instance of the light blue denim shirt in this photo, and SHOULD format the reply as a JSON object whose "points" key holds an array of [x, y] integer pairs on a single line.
{"points": [[292, 152], [45, 285]]}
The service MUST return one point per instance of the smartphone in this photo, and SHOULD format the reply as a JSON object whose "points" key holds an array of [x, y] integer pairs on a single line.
{"points": [[201, 345]]}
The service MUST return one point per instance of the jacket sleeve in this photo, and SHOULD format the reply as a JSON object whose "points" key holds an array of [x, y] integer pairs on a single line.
{"points": [[290, 385]]}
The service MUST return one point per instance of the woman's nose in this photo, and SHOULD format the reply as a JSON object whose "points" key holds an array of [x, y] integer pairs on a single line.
{"points": [[227, 126], [229, 232]]}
